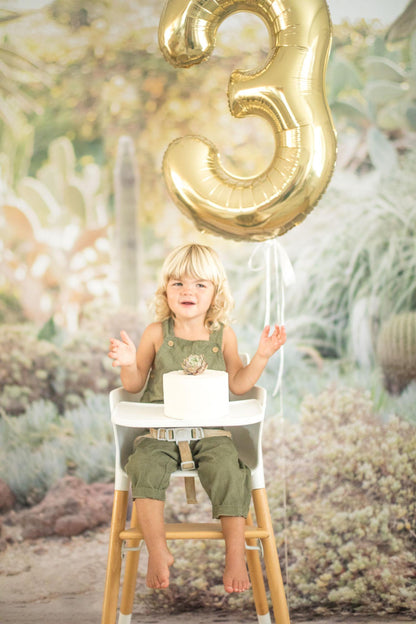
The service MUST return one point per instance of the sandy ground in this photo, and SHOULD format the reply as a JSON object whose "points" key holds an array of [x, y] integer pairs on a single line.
{"points": [[61, 581]]}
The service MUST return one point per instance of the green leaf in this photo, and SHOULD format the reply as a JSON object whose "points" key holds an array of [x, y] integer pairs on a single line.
{"points": [[379, 92], [48, 331], [411, 117], [382, 152], [352, 112], [39, 198], [342, 75], [379, 68], [404, 25]]}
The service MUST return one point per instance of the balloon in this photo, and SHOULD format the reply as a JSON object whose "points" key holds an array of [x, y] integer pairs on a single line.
{"points": [[288, 91]]}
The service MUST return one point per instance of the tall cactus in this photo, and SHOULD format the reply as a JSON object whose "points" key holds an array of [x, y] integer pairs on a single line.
{"points": [[396, 350], [59, 195], [127, 233]]}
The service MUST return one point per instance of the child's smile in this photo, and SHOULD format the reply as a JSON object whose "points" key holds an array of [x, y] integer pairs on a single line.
{"points": [[189, 297]]}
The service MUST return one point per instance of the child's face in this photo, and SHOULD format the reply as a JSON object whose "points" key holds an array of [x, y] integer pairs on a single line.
{"points": [[189, 298]]}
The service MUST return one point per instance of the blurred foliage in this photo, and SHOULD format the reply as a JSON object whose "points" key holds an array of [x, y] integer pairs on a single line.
{"points": [[60, 366], [20, 72], [108, 78], [42, 446], [351, 511], [349, 519], [11, 310], [55, 250], [357, 266], [404, 24], [32, 369], [372, 95]]}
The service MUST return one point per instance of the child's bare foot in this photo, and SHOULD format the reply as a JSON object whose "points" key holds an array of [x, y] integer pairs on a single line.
{"points": [[158, 569], [235, 576]]}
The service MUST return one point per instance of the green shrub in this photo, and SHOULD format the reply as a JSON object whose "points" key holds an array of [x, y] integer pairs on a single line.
{"points": [[404, 406], [30, 473], [28, 368], [40, 446], [355, 274], [90, 449], [32, 369], [351, 510], [349, 520], [84, 368], [11, 310], [31, 461]]}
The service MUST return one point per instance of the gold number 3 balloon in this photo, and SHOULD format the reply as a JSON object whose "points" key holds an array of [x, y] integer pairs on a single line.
{"points": [[288, 91]]}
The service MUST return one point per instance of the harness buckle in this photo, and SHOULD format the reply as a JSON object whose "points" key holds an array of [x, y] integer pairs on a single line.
{"points": [[187, 434], [165, 434], [180, 434]]}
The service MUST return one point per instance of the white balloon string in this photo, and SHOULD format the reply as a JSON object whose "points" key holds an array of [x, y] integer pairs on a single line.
{"points": [[282, 270], [275, 263], [267, 306], [280, 308], [284, 479]]}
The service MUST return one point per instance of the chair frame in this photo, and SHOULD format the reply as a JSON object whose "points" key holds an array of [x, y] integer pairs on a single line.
{"points": [[129, 419]]}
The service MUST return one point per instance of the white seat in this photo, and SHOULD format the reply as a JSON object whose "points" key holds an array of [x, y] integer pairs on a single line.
{"points": [[245, 422]]}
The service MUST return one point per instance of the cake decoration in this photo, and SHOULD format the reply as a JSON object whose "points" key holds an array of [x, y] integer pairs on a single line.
{"points": [[194, 364]]}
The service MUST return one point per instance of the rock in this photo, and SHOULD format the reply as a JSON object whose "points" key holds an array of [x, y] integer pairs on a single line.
{"points": [[69, 508], [3, 543], [7, 498]]}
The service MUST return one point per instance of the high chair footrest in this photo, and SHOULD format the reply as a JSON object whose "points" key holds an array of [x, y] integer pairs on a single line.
{"points": [[195, 530]]}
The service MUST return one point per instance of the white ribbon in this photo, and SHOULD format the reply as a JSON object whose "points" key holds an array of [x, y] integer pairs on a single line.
{"points": [[278, 273], [278, 270]]}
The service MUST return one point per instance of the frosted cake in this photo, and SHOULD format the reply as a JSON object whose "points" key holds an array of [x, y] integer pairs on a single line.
{"points": [[196, 397]]}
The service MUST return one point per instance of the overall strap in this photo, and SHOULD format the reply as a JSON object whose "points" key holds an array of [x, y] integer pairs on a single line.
{"points": [[215, 336], [167, 327]]}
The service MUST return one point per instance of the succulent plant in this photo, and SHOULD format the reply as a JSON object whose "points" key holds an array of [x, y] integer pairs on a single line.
{"points": [[194, 364]]}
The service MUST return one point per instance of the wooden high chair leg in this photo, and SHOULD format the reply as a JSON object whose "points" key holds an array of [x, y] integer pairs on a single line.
{"points": [[112, 579], [257, 580], [271, 558], [130, 575]]}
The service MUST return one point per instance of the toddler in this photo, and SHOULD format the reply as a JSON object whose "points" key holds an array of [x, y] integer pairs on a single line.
{"points": [[192, 311]]}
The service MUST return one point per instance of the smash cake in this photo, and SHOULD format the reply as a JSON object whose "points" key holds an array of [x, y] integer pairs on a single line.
{"points": [[195, 393]]}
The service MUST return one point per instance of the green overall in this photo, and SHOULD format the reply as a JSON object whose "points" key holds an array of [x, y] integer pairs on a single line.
{"points": [[224, 477]]}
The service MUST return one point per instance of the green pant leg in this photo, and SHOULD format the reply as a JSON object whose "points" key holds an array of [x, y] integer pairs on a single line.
{"points": [[150, 467], [226, 480]]}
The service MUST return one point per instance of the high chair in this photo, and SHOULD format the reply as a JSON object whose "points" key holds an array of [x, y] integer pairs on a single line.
{"points": [[245, 421]]}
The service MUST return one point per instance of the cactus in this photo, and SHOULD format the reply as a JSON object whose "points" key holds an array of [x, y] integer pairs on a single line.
{"points": [[194, 365], [59, 216], [396, 351], [127, 234], [40, 199], [62, 153], [58, 193]]}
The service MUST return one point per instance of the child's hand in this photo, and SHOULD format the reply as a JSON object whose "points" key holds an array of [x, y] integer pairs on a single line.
{"points": [[122, 352], [268, 345]]}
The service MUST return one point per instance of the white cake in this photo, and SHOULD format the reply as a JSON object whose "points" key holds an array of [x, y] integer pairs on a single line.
{"points": [[197, 398]]}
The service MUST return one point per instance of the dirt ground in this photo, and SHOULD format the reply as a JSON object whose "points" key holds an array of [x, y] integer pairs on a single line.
{"points": [[61, 580]]}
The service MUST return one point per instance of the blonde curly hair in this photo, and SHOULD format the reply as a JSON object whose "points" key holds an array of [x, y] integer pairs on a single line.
{"points": [[199, 262]]}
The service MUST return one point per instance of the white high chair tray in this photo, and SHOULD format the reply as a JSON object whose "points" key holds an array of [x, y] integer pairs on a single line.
{"points": [[130, 414]]}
